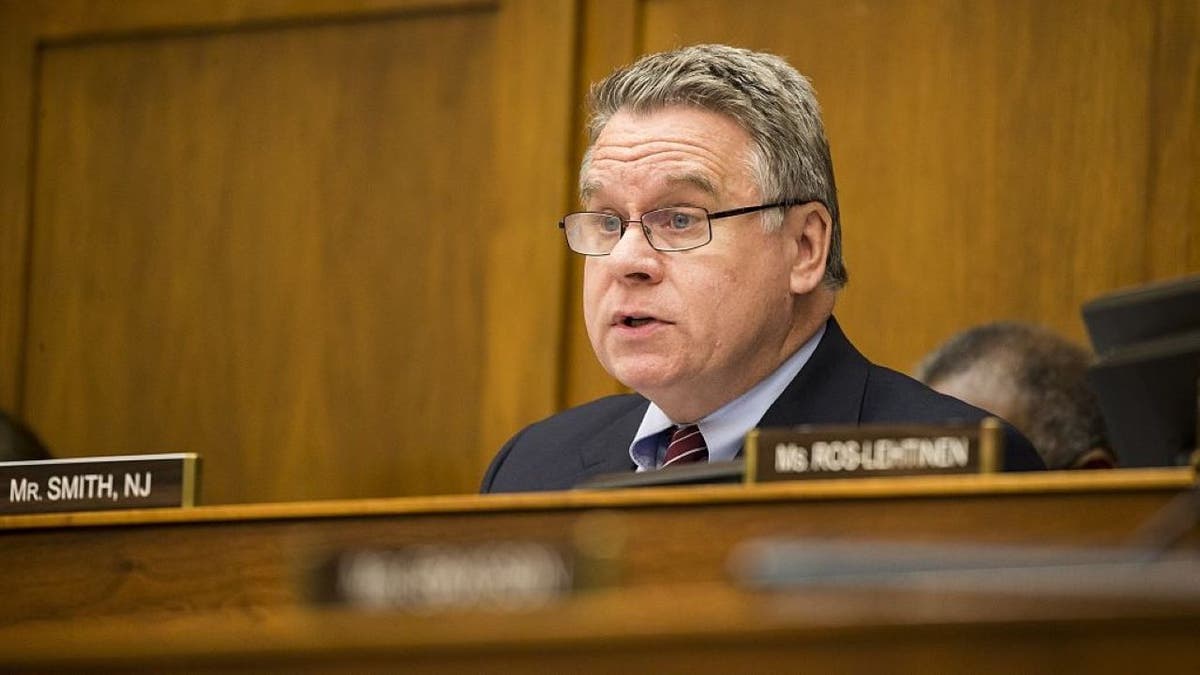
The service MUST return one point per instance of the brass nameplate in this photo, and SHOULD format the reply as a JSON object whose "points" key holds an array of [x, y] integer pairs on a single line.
{"points": [[816, 452], [98, 483]]}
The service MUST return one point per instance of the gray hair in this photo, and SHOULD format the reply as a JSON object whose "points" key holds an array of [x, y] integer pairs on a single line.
{"points": [[1043, 376], [770, 100]]}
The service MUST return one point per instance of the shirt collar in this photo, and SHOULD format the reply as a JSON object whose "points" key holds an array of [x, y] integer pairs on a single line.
{"points": [[725, 428]]}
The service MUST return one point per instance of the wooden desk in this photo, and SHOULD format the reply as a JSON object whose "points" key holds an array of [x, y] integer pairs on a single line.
{"points": [[693, 628], [218, 587]]}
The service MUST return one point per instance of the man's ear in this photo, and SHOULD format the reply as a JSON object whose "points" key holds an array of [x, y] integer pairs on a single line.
{"points": [[1095, 458], [811, 227]]}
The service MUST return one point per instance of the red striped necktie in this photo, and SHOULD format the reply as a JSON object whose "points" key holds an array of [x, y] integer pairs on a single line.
{"points": [[686, 446]]}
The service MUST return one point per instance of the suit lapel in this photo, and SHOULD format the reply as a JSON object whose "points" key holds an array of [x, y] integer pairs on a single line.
{"points": [[608, 450], [829, 388]]}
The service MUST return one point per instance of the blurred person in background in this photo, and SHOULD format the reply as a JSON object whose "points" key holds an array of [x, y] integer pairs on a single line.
{"points": [[1035, 380]]}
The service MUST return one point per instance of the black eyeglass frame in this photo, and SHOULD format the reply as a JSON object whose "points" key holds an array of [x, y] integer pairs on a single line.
{"points": [[728, 213]]}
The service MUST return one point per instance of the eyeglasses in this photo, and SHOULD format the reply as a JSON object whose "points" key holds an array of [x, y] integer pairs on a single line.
{"points": [[675, 228]]}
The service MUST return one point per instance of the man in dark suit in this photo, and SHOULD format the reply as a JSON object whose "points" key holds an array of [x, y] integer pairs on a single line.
{"points": [[714, 258]]}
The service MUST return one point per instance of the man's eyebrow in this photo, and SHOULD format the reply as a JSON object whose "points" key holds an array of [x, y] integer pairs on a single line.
{"points": [[696, 180], [699, 181]]}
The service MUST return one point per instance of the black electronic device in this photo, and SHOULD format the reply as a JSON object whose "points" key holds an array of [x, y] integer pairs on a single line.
{"points": [[1147, 370], [1136, 314]]}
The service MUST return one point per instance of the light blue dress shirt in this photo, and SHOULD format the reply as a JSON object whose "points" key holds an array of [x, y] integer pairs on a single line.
{"points": [[725, 429]]}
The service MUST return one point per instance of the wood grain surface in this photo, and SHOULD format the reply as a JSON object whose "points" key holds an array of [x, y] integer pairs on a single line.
{"points": [[287, 244], [225, 586], [314, 241]]}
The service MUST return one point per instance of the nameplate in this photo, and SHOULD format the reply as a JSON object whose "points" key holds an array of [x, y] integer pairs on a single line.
{"points": [[498, 575], [823, 452], [98, 483]]}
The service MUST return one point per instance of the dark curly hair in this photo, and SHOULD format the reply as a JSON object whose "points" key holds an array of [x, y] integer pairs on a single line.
{"points": [[1043, 376]]}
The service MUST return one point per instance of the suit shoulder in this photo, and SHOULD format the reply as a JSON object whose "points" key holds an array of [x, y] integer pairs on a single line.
{"points": [[893, 397], [544, 455], [584, 418]]}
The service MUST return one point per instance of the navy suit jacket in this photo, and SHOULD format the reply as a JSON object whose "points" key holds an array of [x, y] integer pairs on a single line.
{"points": [[838, 385]]}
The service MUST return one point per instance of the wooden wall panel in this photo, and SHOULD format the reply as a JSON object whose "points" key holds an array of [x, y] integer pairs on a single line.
{"points": [[267, 238], [226, 241], [17, 46], [996, 160], [1173, 217], [527, 262]]}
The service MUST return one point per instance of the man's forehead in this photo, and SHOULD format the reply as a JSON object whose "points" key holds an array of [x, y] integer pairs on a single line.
{"points": [[677, 148]]}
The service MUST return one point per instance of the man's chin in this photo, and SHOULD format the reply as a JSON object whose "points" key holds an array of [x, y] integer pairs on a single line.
{"points": [[645, 380]]}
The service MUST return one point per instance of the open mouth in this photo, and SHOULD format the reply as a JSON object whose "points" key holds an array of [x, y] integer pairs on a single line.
{"points": [[635, 321]]}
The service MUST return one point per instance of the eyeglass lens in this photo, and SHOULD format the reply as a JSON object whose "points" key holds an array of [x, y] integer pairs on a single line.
{"points": [[670, 229]]}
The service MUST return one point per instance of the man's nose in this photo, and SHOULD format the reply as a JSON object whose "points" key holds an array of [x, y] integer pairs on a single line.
{"points": [[633, 256]]}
